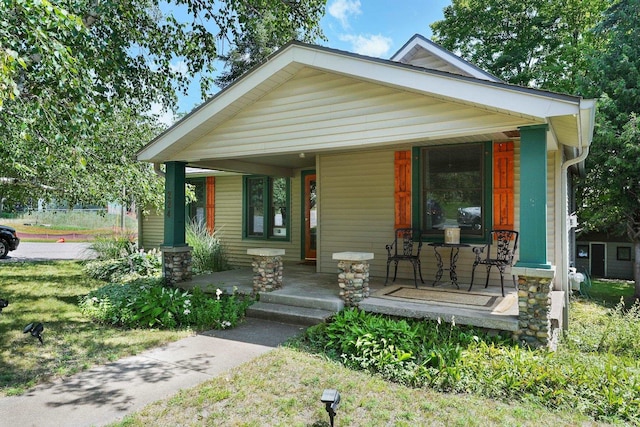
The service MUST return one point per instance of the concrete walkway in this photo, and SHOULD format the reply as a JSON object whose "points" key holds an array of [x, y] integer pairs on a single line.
{"points": [[106, 394]]}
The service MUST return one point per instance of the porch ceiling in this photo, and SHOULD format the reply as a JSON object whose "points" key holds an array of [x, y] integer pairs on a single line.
{"points": [[311, 100]]}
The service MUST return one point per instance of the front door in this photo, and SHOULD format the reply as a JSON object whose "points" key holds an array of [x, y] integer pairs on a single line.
{"points": [[597, 259], [310, 216]]}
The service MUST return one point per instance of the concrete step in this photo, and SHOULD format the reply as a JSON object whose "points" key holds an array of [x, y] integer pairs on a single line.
{"points": [[323, 302], [288, 314], [482, 319]]}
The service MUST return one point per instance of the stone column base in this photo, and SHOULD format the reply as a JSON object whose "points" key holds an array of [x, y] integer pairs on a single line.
{"points": [[353, 276], [267, 269], [534, 306], [176, 264]]}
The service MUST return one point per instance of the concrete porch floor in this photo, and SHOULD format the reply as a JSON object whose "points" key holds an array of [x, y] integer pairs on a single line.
{"points": [[303, 286]]}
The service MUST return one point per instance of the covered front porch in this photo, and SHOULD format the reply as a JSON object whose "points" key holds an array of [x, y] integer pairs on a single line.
{"points": [[309, 297]]}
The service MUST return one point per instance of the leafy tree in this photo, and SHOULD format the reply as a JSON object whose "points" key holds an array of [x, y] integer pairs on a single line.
{"points": [[611, 199], [530, 43], [251, 48], [589, 47], [611, 196], [71, 70], [96, 169]]}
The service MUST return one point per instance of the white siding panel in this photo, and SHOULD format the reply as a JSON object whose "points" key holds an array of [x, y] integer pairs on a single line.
{"points": [[618, 269], [152, 230], [357, 214], [318, 111], [356, 206], [425, 59], [516, 186], [551, 207]]}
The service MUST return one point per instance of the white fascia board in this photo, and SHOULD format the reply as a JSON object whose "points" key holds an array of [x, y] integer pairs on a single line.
{"points": [[587, 120], [500, 97], [447, 56]]}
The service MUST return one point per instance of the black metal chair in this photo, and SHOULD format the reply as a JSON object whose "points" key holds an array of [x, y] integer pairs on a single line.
{"points": [[406, 246], [506, 243]]}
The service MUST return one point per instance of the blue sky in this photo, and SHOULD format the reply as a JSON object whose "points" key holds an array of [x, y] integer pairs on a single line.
{"points": [[376, 28]]}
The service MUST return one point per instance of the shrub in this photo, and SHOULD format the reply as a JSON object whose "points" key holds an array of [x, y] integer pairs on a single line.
{"points": [[208, 254], [147, 302], [132, 266], [113, 246], [615, 331], [404, 350], [594, 370]]}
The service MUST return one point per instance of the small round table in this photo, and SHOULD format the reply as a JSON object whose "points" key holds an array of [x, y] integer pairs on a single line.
{"points": [[453, 258]]}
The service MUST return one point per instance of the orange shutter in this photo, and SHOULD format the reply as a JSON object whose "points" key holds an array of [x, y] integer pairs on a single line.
{"points": [[402, 192], [211, 203], [503, 186]]}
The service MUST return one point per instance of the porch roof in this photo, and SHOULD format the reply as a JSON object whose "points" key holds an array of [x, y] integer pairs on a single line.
{"points": [[312, 99]]}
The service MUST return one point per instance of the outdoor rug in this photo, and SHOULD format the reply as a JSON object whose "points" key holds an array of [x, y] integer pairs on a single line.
{"points": [[472, 300]]}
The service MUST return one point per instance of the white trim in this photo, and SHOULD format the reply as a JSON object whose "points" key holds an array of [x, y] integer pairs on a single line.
{"points": [[516, 101], [438, 51]]}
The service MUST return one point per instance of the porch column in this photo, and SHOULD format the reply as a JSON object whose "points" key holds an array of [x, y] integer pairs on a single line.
{"points": [[533, 197], [174, 204], [176, 254]]}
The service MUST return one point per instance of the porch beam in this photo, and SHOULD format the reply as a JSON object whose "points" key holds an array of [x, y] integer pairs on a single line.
{"points": [[533, 197], [174, 205], [244, 167]]}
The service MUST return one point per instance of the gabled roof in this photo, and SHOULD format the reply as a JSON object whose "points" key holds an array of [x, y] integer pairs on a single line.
{"points": [[428, 105], [422, 52]]}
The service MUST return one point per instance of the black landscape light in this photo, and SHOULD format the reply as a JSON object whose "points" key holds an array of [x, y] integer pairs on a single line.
{"points": [[35, 329], [331, 399], [3, 304]]}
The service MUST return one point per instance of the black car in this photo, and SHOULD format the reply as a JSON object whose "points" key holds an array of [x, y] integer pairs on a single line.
{"points": [[9, 240], [470, 217]]}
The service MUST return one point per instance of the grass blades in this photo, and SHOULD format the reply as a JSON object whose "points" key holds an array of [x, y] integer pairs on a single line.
{"points": [[49, 292]]}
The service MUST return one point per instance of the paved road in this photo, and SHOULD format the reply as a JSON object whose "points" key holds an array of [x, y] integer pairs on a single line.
{"points": [[37, 251]]}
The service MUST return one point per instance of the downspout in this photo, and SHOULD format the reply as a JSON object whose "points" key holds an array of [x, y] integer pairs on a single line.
{"points": [[564, 268]]}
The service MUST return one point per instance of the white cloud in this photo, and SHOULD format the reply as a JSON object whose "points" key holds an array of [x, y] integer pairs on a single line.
{"points": [[163, 115], [179, 67], [370, 45], [343, 9]]}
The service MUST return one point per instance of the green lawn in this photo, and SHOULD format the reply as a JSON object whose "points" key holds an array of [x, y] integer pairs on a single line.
{"points": [[280, 388], [55, 223], [283, 388], [48, 293], [609, 292]]}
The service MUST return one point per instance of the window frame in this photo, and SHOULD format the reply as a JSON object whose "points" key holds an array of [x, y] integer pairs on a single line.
{"points": [[583, 249], [623, 253], [193, 206], [267, 197], [487, 200]]}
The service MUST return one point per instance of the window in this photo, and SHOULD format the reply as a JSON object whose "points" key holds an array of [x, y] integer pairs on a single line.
{"points": [[623, 253], [453, 189], [266, 207], [582, 251], [196, 209]]}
